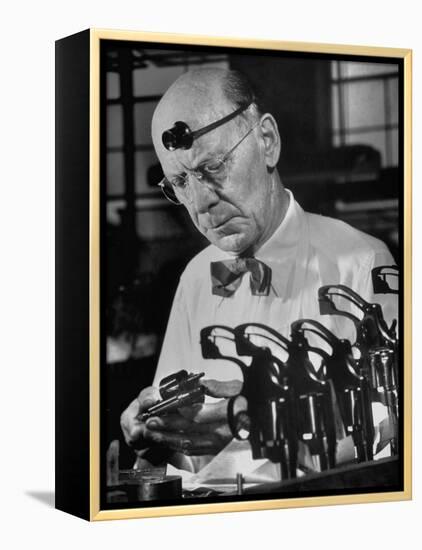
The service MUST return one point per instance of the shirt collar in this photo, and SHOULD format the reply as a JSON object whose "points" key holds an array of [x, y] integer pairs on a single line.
{"points": [[279, 251], [285, 237]]}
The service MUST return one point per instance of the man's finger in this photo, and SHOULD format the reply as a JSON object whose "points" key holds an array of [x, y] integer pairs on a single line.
{"points": [[169, 422], [191, 443], [216, 388], [174, 441], [177, 423], [132, 428], [148, 397], [209, 443], [206, 412]]}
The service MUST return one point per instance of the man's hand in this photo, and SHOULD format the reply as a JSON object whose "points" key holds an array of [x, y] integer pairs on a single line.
{"points": [[200, 429], [136, 433]]}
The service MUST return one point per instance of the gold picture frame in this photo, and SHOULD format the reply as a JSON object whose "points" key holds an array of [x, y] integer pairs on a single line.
{"points": [[78, 87]]}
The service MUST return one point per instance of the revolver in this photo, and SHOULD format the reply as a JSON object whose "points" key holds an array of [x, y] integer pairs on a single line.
{"points": [[372, 330], [376, 342], [351, 387], [180, 389], [269, 420]]}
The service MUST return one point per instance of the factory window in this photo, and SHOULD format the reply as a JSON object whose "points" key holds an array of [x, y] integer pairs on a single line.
{"points": [[365, 107], [132, 169]]}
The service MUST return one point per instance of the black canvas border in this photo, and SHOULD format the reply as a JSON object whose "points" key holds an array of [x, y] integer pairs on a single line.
{"points": [[72, 247]]}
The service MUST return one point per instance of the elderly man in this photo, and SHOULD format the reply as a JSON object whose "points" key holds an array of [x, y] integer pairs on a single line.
{"points": [[266, 260]]}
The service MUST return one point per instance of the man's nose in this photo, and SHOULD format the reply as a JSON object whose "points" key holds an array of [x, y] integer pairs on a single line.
{"points": [[202, 194]]}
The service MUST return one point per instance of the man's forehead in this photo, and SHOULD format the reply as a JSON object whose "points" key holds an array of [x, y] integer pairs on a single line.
{"points": [[196, 108], [196, 98]]}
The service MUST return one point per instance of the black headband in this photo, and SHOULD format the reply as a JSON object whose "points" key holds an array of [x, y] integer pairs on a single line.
{"points": [[180, 136]]}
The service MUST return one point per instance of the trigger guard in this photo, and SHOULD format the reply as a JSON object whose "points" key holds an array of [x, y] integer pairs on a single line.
{"points": [[232, 419]]}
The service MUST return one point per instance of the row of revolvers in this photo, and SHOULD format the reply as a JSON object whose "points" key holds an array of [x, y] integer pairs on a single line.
{"points": [[289, 401]]}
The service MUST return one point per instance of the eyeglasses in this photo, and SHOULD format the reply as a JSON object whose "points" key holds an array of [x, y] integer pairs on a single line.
{"points": [[213, 171]]}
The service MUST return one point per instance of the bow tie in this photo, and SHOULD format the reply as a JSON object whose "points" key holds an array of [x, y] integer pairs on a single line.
{"points": [[227, 275]]}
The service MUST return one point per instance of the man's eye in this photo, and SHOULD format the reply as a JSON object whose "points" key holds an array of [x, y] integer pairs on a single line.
{"points": [[178, 181], [213, 167]]}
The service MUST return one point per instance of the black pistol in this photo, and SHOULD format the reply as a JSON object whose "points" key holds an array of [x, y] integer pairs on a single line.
{"points": [[177, 390], [376, 342], [351, 388], [270, 396]]}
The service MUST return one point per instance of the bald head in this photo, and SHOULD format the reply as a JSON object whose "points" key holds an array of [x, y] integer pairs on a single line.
{"points": [[198, 98]]}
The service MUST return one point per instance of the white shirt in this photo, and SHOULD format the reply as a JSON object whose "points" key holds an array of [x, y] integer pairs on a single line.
{"points": [[304, 253]]}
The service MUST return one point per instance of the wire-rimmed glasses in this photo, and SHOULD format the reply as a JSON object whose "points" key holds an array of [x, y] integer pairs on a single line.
{"points": [[213, 171]]}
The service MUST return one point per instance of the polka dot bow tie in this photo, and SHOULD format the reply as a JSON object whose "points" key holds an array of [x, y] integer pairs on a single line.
{"points": [[227, 275]]}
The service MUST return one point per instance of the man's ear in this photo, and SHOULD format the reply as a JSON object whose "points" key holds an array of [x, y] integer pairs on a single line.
{"points": [[271, 138]]}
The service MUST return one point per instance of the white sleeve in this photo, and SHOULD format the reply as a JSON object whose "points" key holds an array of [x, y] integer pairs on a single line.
{"points": [[176, 355], [176, 350]]}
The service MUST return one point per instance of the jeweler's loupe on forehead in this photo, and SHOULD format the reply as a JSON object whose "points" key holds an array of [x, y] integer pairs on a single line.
{"points": [[180, 136]]}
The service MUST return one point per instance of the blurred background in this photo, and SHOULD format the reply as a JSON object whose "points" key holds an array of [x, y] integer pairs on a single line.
{"points": [[339, 125]]}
